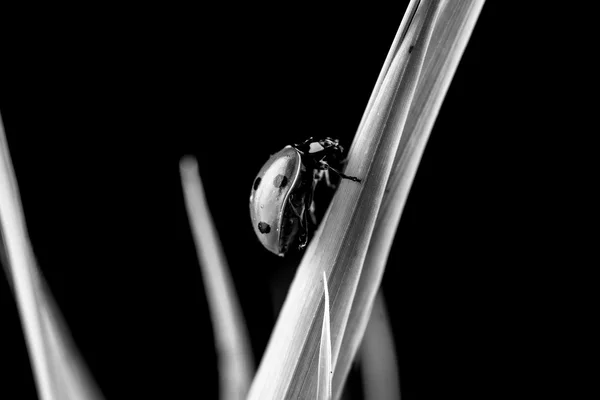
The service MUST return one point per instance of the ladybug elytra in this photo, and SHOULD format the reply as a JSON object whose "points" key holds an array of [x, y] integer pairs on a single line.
{"points": [[281, 199]]}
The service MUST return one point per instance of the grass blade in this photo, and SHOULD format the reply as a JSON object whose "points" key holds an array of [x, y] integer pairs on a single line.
{"points": [[58, 369], [288, 368], [325, 368], [455, 25], [232, 342]]}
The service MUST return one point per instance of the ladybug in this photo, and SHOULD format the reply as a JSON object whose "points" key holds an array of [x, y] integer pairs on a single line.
{"points": [[281, 199]]}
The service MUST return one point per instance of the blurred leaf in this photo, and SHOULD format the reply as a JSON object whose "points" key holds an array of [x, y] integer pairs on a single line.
{"points": [[379, 367], [232, 342], [58, 368]]}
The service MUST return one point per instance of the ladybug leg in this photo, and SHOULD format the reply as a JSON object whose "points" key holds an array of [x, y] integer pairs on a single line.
{"points": [[304, 232], [303, 238], [302, 216], [341, 174], [308, 209], [294, 209], [311, 213], [309, 204], [323, 174], [327, 180]]}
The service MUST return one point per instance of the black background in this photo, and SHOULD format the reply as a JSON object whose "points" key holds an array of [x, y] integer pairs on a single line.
{"points": [[98, 113]]}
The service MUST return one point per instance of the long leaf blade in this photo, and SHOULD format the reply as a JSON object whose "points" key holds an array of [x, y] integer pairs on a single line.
{"points": [[455, 25]]}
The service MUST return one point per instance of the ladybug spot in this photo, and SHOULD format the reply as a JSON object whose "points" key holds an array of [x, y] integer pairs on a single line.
{"points": [[263, 227], [280, 181], [256, 183]]}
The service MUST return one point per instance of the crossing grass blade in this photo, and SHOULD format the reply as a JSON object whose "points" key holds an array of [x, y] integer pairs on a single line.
{"points": [[325, 368]]}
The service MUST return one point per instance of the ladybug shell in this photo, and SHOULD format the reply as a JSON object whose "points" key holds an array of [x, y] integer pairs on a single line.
{"points": [[275, 187]]}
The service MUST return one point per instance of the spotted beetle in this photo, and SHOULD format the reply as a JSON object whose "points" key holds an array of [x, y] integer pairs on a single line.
{"points": [[281, 199]]}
